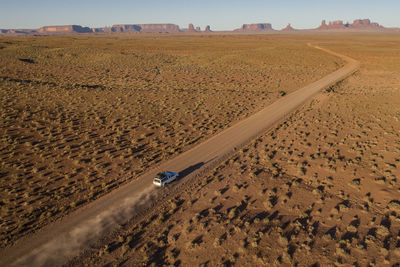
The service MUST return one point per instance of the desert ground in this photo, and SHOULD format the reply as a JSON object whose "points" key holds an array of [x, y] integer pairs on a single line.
{"points": [[319, 189], [83, 115]]}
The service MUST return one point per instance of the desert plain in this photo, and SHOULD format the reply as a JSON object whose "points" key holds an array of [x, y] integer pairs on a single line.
{"points": [[84, 115]]}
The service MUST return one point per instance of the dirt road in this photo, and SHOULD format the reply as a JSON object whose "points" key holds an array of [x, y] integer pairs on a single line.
{"points": [[56, 243]]}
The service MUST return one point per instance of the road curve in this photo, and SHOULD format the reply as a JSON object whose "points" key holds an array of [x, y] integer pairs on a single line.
{"points": [[55, 243]]}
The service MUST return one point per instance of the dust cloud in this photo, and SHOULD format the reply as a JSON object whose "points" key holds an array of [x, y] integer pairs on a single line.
{"points": [[67, 245]]}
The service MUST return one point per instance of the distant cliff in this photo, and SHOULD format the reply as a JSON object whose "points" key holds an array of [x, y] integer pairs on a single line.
{"points": [[365, 24], [357, 25], [124, 28], [338, 25], [139, 28], [63, 29], [72, 29], [159, 28], [258, 27], [18, 31]]}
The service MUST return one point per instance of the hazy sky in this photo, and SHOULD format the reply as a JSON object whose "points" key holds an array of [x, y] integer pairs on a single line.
{"points": [[219, 14]]}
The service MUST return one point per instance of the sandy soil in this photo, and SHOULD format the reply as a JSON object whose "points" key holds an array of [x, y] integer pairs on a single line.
{"points": [[58, 242], [321, 188], [80, 116]]}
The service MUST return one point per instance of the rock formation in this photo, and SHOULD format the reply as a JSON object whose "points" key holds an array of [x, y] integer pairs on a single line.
{"points": [[126, 28], [18, 31], [139, 28], [338, 25], [101, 29], [259, 27], [323, 24], [359, 24], [64, 29], [365, 24], [191, 28], [159, 28], [288, 28]]}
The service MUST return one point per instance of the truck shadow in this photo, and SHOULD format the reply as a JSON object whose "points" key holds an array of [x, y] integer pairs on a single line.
{"points": [[190, 169], [193, 168]]}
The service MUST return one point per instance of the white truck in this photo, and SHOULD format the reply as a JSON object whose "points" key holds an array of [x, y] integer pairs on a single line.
{"points": [[164, 178]]}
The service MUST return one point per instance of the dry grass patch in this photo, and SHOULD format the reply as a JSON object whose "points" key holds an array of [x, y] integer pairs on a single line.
{"points": [[79, 116], [305, 193]]}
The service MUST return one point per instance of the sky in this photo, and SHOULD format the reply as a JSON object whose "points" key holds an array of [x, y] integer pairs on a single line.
{"points": [[219, 14]]}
